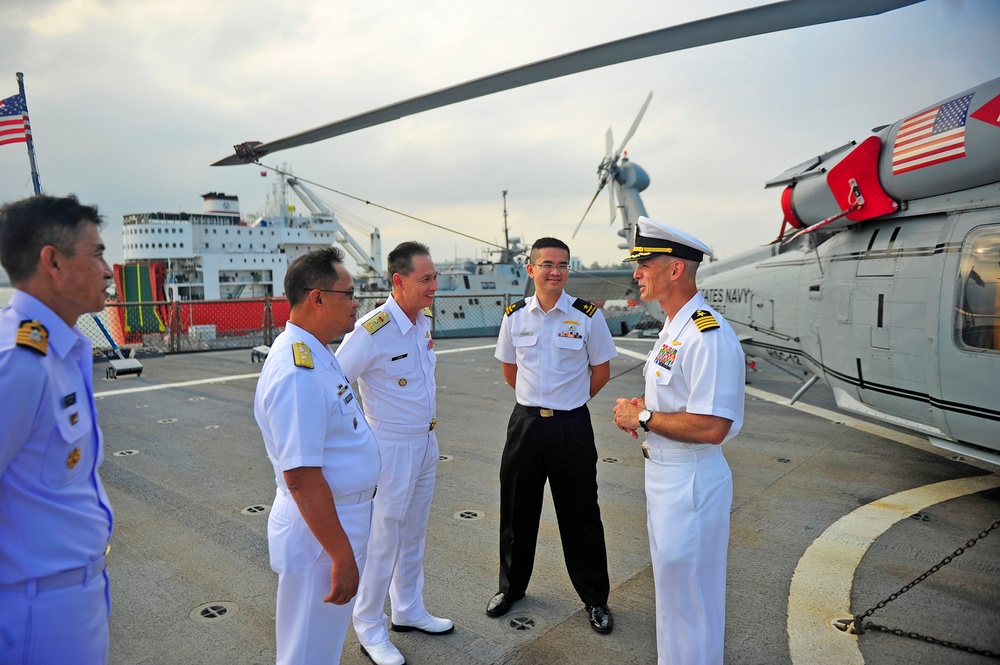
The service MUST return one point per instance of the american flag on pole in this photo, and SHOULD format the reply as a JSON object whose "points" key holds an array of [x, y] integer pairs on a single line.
{"points": [[14, 125], [932, 137]]}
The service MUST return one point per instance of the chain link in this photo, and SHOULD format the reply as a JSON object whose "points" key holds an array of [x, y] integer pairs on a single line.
{"points": [[933, 640], [859, 620]]}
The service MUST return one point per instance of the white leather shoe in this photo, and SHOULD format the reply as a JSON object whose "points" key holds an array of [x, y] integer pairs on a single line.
{"points": [[383, 654], [429, 625]]}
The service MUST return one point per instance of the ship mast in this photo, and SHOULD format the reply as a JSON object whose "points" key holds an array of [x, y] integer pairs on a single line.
{"points": [[506, 237]]}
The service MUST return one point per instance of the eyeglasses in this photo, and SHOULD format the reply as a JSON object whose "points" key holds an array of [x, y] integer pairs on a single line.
{"points": [[349, 294], [562, 267]]}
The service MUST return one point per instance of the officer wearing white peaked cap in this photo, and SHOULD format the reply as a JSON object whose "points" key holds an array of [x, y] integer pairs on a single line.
{"points": [[693, 402]]}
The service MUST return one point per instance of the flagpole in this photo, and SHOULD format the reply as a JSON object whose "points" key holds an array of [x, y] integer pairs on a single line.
{"points": [[30, 143]]}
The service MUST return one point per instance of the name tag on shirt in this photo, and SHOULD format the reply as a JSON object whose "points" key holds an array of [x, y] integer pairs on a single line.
{"points": [[345, 393]]}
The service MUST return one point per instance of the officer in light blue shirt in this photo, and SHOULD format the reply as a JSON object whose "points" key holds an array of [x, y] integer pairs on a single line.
{"points": [[55, 518]]}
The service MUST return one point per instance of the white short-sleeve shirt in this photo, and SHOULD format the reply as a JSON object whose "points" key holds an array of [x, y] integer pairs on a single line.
{"points": [[394, 366], [554, 351], [695, 371], [309, 417]]}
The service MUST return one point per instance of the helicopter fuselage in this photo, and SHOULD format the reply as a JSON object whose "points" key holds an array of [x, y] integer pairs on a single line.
{"points": [[900, 315]]}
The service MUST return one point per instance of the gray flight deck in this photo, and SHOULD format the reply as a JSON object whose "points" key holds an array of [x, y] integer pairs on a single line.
{"points": [[190, 484]]}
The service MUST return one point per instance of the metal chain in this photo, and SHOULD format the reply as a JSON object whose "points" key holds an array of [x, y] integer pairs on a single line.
{"points": [[859, 620], [933, 640]]}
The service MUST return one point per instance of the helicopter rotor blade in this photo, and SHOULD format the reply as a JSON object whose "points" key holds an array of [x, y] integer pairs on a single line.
{"points": [[604, 181], [764, 19], [611, 204], [609, 144], [635, 125]]}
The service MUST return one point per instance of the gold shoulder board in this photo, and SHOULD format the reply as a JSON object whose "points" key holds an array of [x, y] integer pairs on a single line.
{"points": [[704, 320], [587, 308], [515, 306], [427, 312], [374, 323], [302, 354], [33, 335]]}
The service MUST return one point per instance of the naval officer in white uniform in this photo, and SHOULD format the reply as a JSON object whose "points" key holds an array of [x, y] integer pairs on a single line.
{"points": [[325, 461], [693, 403], [391, 354], [55, 519]]}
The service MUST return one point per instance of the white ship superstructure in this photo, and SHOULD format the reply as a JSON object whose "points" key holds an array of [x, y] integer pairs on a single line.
{"points": [[216, 255]]}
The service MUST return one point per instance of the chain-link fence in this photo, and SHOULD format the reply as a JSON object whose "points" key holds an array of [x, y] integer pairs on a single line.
{"points": [[204, 325]]}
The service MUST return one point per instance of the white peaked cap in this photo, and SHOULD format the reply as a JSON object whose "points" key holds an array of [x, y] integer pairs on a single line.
{"points": [[653, 237]]}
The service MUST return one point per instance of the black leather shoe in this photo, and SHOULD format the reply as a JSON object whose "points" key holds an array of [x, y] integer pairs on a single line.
{"points": [[500, 604], [601, 619]]}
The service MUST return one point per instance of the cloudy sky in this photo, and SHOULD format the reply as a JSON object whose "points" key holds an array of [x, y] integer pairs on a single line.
{"points": [[131, 101]]}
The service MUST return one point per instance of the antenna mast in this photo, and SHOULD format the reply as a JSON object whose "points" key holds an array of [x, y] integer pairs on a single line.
{"points": [[506, 236]]}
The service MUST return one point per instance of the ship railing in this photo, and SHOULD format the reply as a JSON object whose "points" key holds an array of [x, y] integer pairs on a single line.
{"points": [[161, 327]]}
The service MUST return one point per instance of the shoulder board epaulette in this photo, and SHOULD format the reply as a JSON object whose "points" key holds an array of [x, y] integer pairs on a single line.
{"points": [[33, 335], [513, 307], [704, 320], [374, 323], [302, 355], [587, 308], [427, 312]]}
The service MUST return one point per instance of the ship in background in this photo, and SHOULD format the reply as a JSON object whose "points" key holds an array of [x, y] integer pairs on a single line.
{"points": [[229, 272], [226, 265]]}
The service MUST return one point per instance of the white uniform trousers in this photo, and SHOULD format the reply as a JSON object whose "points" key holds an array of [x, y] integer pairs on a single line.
{"points": [[307, 630], [67, 626], [399, 531], [688, 498]]}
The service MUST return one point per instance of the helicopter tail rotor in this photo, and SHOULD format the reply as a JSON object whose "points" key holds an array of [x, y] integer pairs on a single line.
{"points": [[608, 169]]}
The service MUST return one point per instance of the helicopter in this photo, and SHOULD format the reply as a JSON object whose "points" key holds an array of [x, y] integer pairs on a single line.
{"points": [[883, 286], [887, 285]]}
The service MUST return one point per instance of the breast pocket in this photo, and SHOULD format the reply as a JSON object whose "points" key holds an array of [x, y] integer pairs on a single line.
{"points": [[521, 341], [401, 367], [571, 343], [572, 356], [345, 418], [661, 377], [71, 448]]}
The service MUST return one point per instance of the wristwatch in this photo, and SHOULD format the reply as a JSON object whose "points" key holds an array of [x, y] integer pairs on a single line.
{"points": [[644, 417]]}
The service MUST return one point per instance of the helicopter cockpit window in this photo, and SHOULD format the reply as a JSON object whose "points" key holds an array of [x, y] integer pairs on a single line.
{"points": [[977, 320]]}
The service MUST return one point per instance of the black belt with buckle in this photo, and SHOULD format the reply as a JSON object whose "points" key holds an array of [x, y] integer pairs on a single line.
{"points": [[549, 413]]}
